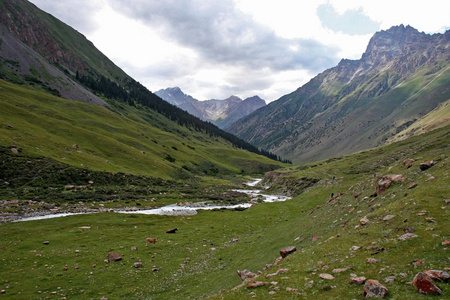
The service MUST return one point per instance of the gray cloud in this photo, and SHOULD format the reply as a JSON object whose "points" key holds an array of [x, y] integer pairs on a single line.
{"points": [[352, 22], [221, 34], [81, 18]]}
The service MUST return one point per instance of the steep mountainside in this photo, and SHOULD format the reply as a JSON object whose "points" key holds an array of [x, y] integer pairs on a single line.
{"points": [[359, 104], [221, 113], [57, 46]]}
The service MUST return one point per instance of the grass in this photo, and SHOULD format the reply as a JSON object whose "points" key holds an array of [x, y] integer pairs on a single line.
{"points": [[202, 258]]}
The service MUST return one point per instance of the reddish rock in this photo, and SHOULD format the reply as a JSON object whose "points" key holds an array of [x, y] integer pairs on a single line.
{"points": [[358, 280], [418, 262], [424, 285], [374, 289], [286, 251], [113, 256], [256, 284], [437, 275], [246, 274], [408, 162], [138, 265], [372, 260], [326, 276], [426, 165], [446, 243], [386, 181]]}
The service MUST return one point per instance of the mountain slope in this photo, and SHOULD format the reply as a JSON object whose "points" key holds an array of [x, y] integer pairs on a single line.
{"points": [[69, 51], [402, 76], [221, 113]]}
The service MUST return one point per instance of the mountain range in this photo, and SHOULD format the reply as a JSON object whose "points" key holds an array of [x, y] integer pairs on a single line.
{"points": [[221, 113], [359, 104]]}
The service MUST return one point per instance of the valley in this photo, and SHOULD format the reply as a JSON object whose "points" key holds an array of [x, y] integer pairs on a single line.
{"points": [[107, 191]]}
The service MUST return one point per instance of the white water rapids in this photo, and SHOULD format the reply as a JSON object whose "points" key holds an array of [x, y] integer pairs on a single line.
{"points": [[185, 209]]}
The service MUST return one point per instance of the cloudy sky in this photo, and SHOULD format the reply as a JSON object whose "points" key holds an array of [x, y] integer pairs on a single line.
{"points": [[217, 48]]}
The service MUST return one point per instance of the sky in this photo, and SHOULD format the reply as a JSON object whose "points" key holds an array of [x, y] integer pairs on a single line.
{"points": [[215, 49]]}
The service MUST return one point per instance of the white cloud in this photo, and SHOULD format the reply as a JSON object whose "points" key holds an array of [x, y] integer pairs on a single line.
{"points": [[213, 49]]}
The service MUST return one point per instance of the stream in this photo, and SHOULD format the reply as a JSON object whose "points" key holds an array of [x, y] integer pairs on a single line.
{"points": [[183, 209]]}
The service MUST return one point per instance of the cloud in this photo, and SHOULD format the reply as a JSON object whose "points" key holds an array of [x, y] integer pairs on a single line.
{"points": [[352, 22], [223, 35], [80, 18]]}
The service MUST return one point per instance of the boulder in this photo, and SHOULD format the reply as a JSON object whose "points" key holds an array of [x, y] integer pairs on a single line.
{"points": [[286, 251], [425, 285], [386, 181], [374, 289], [358, 280], [114, 256], [437, 275], [426, 165]]}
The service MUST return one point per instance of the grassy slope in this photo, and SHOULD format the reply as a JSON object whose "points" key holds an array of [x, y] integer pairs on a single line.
{"points": [[201, 259], [49, 126]]}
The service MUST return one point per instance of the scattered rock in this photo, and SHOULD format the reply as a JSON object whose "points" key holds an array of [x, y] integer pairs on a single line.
{"points": [[407, 236], [280, 271], [342, 270], [408, 163], [431, 178], [388, 217], [75, 146], [422, 213], [174, 230], [386, 181], [364, 221], [424, 285], [374, 289], [134, 248], [15, 150], [256, 284], [113, 256], [379, 250], [286, 251], [412, 185], [246, 274], [409, 229], [426, 165], [418, 262], [389, 279], [447, 201], [431, 220], [358, 280], [446, 243], [372, 260], [354, 248], [326, 276], [437, 275]]}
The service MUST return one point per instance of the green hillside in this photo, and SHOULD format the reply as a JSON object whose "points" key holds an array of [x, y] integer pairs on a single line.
{"points": [[202, 258]]}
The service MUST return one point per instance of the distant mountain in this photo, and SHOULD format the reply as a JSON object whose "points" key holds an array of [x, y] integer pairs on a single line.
{"points": [[221, 113], [359, 104]]}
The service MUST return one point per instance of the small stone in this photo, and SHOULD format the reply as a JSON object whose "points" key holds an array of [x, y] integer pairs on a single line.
{"points": [[374, 289], [418, 262], [342, 270], [286, 251], [389, 279], [46, 243], [326, 276], [358, 280], [424, 285], [372, 260], [364, 221], [113, 256], [413, 185], [256, 284], [446, 243], [388, 217], [426, 165], [138, 265], [354, 248], [422, 213], [407, 236], [2, 291], [246, 274]]}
